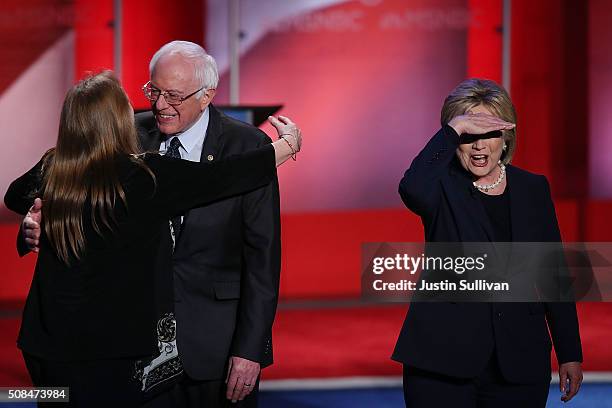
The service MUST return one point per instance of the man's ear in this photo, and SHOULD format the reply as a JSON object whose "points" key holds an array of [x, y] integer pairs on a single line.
{"points": [[209, 94]]}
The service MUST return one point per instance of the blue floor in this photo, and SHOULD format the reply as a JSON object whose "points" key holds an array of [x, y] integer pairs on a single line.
{"points": [[590, 396]]}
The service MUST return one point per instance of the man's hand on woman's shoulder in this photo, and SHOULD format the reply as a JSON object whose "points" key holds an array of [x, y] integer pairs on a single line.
{"points": [[30, 226]]}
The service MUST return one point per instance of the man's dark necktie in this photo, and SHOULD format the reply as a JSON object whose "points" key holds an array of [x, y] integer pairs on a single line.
{"points": [[173, 151]]}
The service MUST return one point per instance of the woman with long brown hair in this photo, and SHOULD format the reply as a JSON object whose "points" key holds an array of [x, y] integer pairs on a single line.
{"points": [[90, 313]]}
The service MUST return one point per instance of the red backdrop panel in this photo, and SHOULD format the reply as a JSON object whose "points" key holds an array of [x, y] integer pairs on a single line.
{"points": [[484, 40], [93, 36], [149, 24]]}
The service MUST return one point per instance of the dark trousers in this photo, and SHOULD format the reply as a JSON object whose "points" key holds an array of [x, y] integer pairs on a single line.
{"points": [[189, 393], [424, 389], [96, 383]]}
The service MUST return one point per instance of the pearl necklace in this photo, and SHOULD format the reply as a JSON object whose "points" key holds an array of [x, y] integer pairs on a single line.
{"points": [[500, 178]]}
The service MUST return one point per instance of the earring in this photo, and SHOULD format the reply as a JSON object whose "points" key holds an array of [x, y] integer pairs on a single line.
{"points": [[505, 147]]}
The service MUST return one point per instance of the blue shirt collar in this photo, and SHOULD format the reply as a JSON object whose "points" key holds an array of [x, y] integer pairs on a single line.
{"points": [[189, 138]]}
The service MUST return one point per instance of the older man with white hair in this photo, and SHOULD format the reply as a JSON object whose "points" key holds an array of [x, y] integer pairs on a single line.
{"points": [[225, 263], [226, 259]]}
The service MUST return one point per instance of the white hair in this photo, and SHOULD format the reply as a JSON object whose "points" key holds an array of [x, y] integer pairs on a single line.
{"points": [[205, 65]]}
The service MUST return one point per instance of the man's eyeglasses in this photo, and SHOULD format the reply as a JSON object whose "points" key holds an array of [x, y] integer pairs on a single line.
{"points": [[172, 98]]}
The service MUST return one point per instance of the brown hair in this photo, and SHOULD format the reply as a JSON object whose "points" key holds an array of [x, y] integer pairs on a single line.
{"points": [[96, 126], [474, 92]]}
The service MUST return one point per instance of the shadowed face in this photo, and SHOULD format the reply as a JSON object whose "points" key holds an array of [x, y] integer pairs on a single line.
{"points": [[175, 74], [481, 156]]}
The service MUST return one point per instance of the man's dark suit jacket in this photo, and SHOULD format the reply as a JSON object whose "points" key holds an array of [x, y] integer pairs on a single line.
{"points": [[226, 261], [457, 339]]}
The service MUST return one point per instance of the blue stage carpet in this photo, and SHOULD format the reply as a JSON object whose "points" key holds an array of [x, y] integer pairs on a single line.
{"points": [[590, 396]]}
